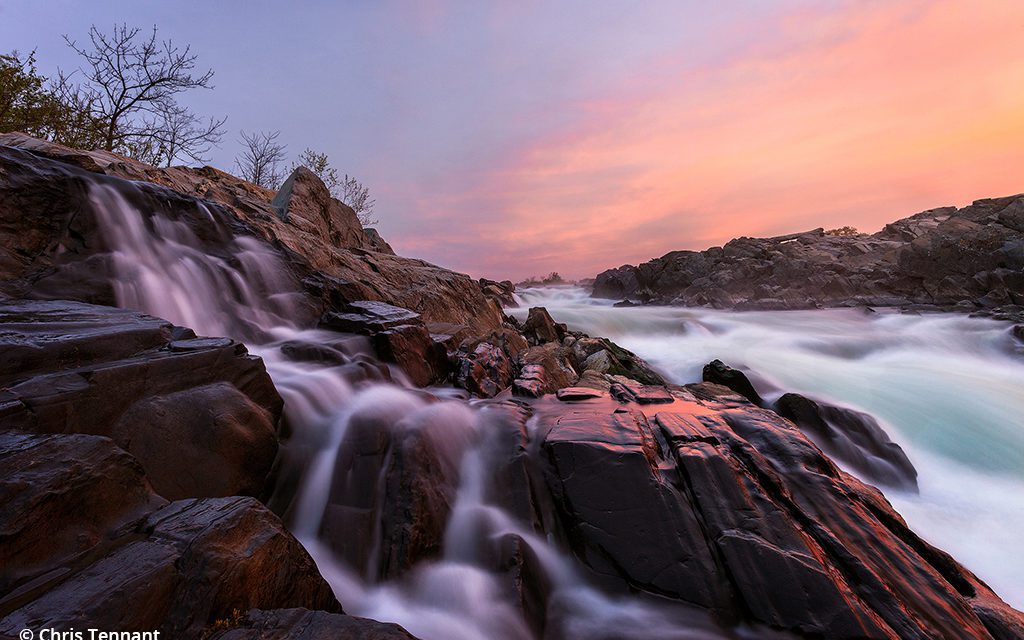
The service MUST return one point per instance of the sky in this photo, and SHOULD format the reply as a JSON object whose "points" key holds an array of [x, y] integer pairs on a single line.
{"points": [[512, 139]]}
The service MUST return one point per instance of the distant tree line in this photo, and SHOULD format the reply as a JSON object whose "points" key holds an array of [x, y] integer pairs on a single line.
{"points": [[124, 98], [534, 281]]}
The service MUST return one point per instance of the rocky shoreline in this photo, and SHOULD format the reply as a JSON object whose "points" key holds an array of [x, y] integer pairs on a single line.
{"points": [[139, 459], [968, 260]]}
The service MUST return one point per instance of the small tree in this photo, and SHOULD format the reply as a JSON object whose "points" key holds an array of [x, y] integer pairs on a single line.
{"points": [[29, 104], [321, 166], [357, 196], [842, 232], [261, 158], [130, 83]]}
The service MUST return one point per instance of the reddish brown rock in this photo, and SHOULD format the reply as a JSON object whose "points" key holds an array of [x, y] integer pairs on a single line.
{"points": [[201, 405]]}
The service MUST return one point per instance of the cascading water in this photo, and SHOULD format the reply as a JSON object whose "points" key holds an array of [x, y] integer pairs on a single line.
{"points": [[949, 390], [162, 267]]}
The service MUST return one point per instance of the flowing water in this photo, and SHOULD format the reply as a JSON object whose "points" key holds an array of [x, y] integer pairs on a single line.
{"points": [[235, 286], [947, 388]]}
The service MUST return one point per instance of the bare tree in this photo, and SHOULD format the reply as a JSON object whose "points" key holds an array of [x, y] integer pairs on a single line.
{"points": [[261, 158], [130, 83], [357, 196]]}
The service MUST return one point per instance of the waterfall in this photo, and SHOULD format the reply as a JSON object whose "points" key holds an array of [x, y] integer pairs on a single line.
{"points": [[241, 290]]}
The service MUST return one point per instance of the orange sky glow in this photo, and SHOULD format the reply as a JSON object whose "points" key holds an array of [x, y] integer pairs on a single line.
{"points": [[856, 118]]}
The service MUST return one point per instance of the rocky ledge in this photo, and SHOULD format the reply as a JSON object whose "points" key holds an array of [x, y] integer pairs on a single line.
{"points": [[969, 259]]}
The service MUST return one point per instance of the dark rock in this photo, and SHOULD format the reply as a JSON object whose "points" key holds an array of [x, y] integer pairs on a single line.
{"points": [[486, 371], [540, 328], [604, 356], [201, 404], [730, 507], [719, 373], [501, 292], [286, 624], [937, 258], [92, 547], [853, 438], [394, 483], [398, 335]]}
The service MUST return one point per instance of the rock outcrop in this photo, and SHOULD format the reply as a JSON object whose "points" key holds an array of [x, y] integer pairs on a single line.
{"points": [[51, 247], [174, 401], [716, 503], [969, 259]]}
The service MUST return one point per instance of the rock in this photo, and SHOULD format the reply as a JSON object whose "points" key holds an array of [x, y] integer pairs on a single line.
{"points": [[284, 624], [484, 372], [206, 405], [629, 391], [377, 242], [51, 246], [92, 547], [730, 508], [573, 394], [719, 373], [853, 438], [604, 356], [937, 258], [60, 496], [540, 328], [544, 369], [501, 292], [394, 482], [616, 284], [398, 335], [305, 202]]}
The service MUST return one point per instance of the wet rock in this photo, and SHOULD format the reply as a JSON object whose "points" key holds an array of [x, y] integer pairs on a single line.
{"points": [[284, 624], [486, 371], [573, 394], [540, 328], [544, 369], [50, 245], [853, 438], [716, 503], [629, 391], [719, 373], [398, 335], [604, 356], [203, 403], [92, 547]]}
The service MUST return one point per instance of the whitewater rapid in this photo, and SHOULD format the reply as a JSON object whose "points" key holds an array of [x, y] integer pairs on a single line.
{"points": [[947, 388]]}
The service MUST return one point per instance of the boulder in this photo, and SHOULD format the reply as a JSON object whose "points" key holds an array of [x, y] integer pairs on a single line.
{"points": [[90, 546], [486, 371], [540, 328], [718, 372], [544, 369], [853, 438], [398, 335], [305, 202]]}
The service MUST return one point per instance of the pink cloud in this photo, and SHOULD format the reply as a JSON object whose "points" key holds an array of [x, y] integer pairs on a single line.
{"points": [[855, 117]]}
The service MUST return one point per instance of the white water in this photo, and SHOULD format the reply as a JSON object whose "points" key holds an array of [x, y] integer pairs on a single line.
{"points": [[947, 388], [161, 268]]}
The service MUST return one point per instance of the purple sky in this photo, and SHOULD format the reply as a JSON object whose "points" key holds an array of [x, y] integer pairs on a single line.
{"points": [[514, 139]]}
